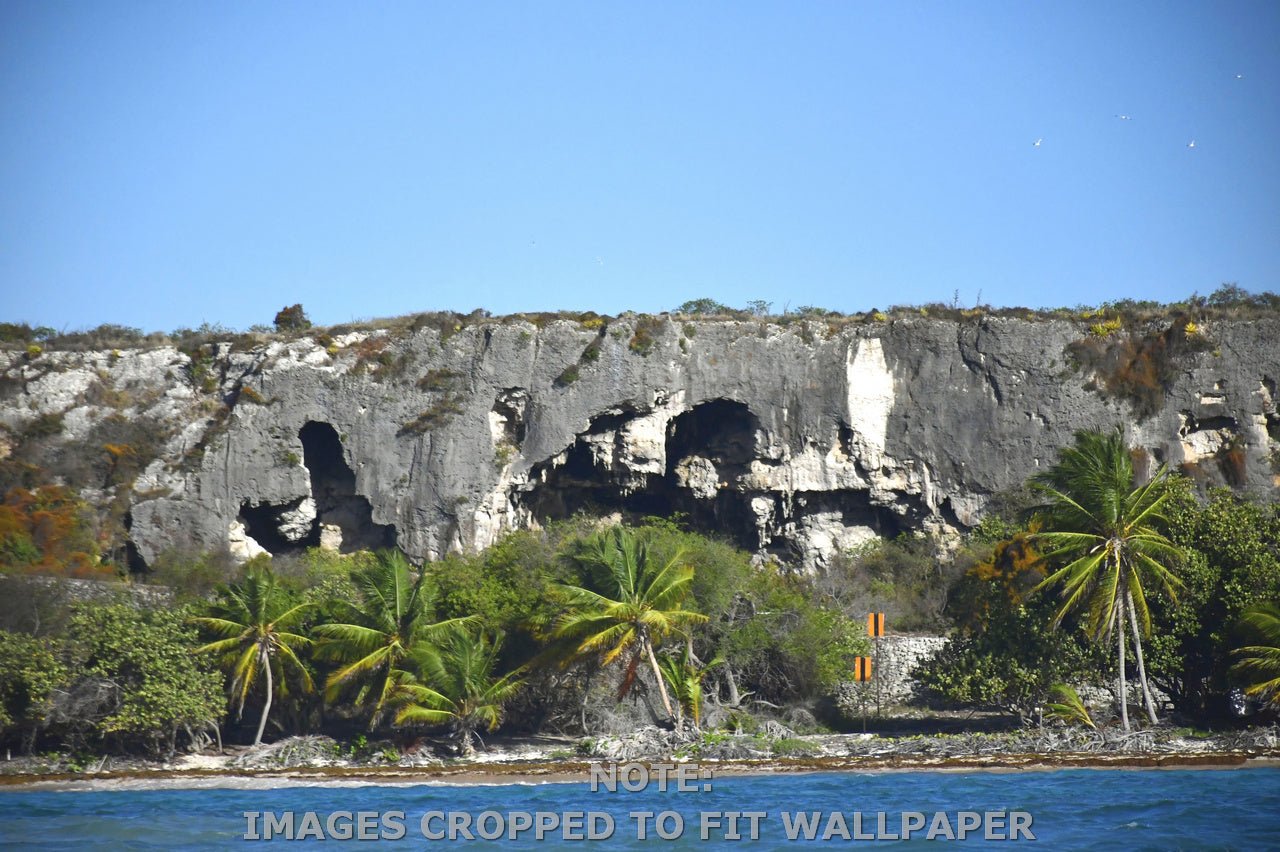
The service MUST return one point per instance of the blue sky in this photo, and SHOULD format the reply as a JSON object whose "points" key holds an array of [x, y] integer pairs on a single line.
{"points": [[165, 164]]}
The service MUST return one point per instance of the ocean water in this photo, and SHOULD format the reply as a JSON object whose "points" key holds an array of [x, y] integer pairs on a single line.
{"points": [[1068, 809]]}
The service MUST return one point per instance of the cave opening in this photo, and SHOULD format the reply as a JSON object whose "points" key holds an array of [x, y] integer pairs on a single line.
{"points": [[716, 439], [339, 509], [724, 433], [266, 524], [333, 516]]}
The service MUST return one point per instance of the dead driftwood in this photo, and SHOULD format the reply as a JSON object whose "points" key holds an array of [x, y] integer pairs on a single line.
{"points": [[294, 751]]}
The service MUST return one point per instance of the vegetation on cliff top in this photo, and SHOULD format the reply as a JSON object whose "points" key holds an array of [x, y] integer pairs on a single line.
{"points": [[1228, 302]]}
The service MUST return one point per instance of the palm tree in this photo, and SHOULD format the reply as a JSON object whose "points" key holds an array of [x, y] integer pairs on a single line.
{"points": [[684, 677], [1068, 707], [1104, 527], [1262, 662], [252, 618], [393, 616], [463, 691], [646, 606]]}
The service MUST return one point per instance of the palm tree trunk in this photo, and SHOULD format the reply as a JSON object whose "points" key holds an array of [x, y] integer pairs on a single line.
{"points": [[266, 708], [657, 674], [1137, 653], [731, 684], [466, 748], [1124, 687]]}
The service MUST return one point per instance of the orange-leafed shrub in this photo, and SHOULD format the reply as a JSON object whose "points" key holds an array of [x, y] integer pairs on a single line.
{"points": [[48, 530]]}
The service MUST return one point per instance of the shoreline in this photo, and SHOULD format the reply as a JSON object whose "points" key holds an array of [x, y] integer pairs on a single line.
{"points": [[577, 771]]}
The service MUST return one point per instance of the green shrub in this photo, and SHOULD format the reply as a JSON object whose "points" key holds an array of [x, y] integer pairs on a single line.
{"points": [[291, 319], [704, 307], [164, 689], [568, 376], [644, 336], [435, 417], [793, 747]]}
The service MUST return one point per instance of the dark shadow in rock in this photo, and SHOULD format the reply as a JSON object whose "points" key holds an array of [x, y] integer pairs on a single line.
{"points": [[346, 514], [333, 487], [590, 479]]}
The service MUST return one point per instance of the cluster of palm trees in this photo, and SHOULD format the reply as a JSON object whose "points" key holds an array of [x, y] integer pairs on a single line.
{"points": [[389, 655], [394, 661]]}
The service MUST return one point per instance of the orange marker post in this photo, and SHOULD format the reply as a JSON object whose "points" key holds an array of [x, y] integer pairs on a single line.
{"points": [[875, 629], [862, 673]]}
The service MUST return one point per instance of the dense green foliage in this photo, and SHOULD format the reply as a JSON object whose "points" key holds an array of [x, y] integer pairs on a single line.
{"points": [[1005, 653], [457, 685], [1232, 562], [1258, 665], [394, 616], [642, 604], [149, 686], [30, 671]]}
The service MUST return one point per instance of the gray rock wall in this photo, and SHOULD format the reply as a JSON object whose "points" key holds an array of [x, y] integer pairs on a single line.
{"points": [[796, 440]]}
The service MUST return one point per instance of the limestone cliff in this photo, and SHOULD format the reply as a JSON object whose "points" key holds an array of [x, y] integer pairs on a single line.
{"points": [[796, 439]]}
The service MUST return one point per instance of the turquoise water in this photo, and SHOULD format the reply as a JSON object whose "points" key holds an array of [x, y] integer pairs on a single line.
{"points": [[1069, 809]]}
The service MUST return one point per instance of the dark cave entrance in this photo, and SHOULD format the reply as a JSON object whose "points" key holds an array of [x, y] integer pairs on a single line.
{"points": [[339, 510], [719, 435], [333, 487]]}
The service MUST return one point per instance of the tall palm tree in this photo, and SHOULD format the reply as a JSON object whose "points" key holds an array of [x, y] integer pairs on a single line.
{"points": [[645, 608], [252, 618], [463, 691], [393, 616], [1261, 662], [1103, 525]]}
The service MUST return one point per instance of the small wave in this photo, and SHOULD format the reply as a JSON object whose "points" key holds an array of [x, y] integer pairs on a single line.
{"points": [[249, 782]]}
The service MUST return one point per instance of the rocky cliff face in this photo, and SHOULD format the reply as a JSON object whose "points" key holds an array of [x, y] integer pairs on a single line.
{"points": [[796, 440]]}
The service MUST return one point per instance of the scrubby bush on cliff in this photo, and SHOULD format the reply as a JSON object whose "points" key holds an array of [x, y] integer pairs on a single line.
{"points": [[292, 318], [48, 530]]}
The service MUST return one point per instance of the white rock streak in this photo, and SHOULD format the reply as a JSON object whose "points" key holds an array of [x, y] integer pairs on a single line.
{"points": [[870, 386]]}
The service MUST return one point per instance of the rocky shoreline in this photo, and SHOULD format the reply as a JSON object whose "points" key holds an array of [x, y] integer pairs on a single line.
{"points": [[304, 761]]}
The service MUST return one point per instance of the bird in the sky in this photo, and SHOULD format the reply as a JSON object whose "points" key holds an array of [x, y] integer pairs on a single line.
{"points": [[1191, 144], [1036, 144], [1124, 117], [1239, 76]]}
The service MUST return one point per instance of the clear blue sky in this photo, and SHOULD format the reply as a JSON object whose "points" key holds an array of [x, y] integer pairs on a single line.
{"points": [[168, 163]]}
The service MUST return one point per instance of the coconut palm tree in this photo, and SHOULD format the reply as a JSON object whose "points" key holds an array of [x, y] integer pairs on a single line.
{"points": [[684, 677], [1068, 707], [455, 685], [645, 607], [1261, 662], [253, 618], [1104, 527], [394, 615]]}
